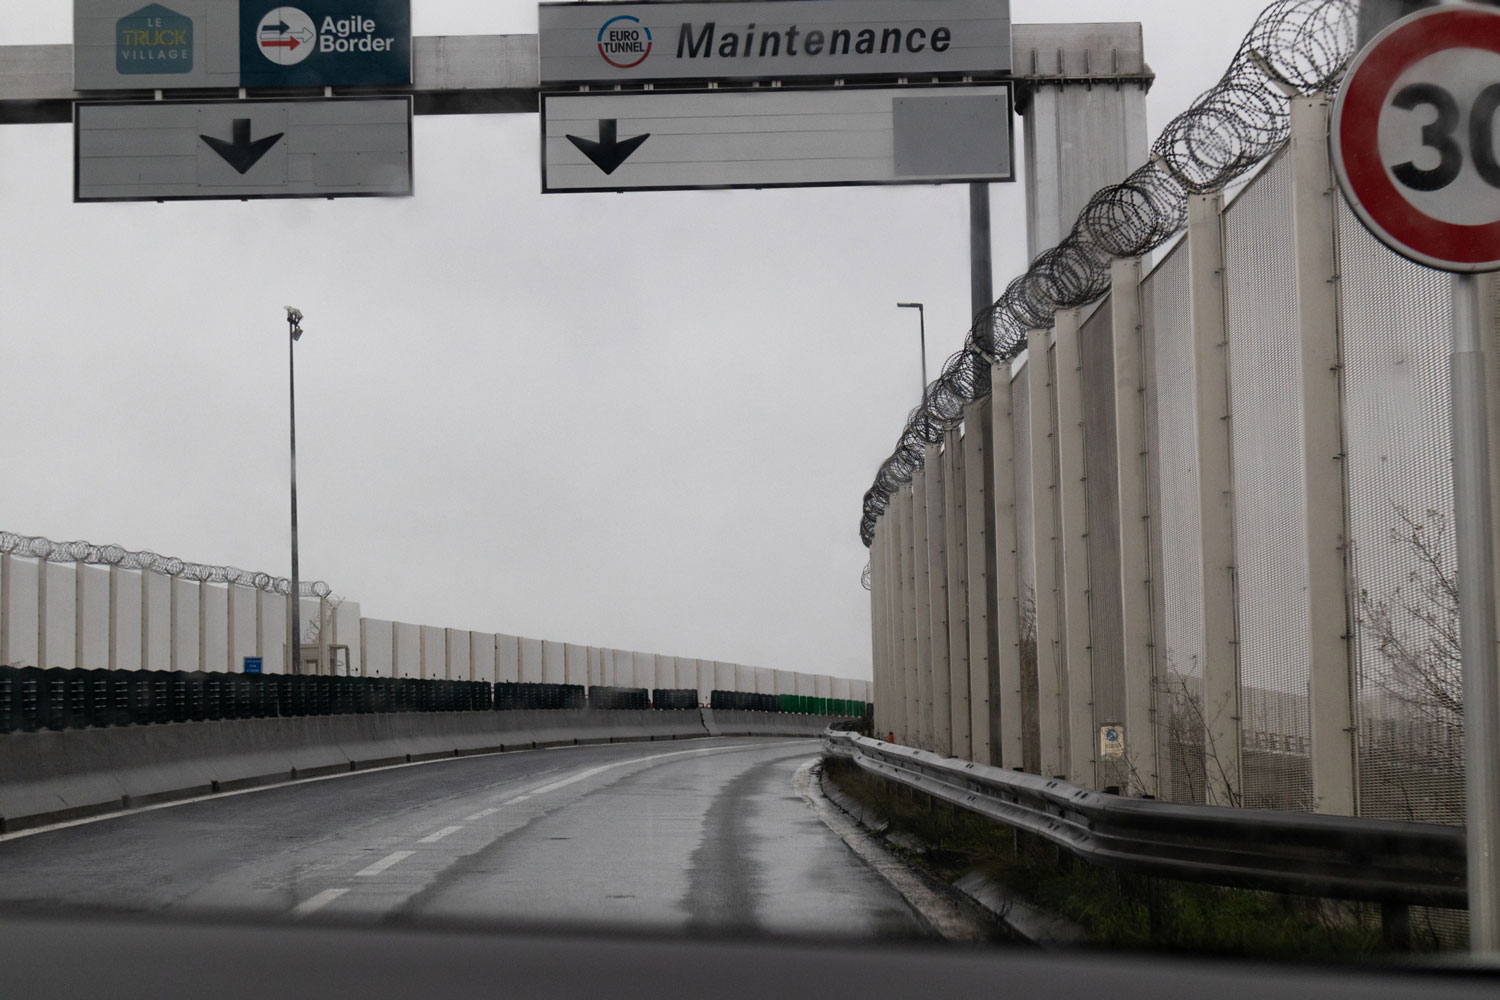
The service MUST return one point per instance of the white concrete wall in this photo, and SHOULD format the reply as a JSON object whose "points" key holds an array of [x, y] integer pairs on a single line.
{"points": [[642, 669], [217, 627], [460, 666], [346, 632], [575, 664], [507, 658], [127, 620], [377, 643], [482, 656], [434, 653], [214, 636], [408, 660], [824, 685], [21, 624], [554, 662], [531, 660], [185, 642], [62, 590], [243, 640], [840, 688], [272, 629], [95, 616]]}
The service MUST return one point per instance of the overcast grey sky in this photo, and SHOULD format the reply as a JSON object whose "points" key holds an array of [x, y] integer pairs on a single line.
{"points": [[643, 421]]}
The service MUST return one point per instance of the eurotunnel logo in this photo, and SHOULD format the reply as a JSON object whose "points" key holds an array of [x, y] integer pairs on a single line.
{"points": [[624, 41], [154, 40], [286, 36]]}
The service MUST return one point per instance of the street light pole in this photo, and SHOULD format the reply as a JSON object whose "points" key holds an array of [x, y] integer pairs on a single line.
{"points": [[294, 599], [922, 321]]}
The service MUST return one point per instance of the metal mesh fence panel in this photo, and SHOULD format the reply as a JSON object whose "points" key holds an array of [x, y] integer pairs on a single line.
{"points": [[1270, 491], [1096, 355], [1020, 408], [1179, 663], [1407, 674]]}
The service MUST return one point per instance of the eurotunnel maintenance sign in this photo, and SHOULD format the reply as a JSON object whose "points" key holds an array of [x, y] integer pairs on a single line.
{"points": [[771, 39], [123, 45]]}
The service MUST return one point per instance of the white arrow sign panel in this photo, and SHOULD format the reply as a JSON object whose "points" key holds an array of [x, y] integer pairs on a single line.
{"points": [[169, 150], [772, 137]]}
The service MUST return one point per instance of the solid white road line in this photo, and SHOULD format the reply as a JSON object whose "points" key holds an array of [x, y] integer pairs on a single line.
{"points": [[316, 903], [393, 858]]}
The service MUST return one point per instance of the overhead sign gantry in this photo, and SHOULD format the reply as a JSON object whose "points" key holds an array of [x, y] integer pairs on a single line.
{"points": [[170, 149], [850, 114]]}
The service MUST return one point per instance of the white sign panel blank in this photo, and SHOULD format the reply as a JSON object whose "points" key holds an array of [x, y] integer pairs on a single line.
{"points": [[663, 140], [170, 150]]}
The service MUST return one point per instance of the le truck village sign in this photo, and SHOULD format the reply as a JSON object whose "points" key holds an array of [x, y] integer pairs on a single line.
{"points": [[776, 40]]}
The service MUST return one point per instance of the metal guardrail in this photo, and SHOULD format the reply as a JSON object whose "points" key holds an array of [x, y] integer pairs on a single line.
{"points": [[1339, 857]]}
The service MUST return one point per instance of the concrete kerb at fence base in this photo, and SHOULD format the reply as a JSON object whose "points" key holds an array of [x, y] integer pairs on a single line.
{"points": [[52, 776]]}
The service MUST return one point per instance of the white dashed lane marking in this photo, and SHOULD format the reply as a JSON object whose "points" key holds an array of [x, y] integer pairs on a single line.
{"points": [[316, 903], [393, 858], [433, 838]]}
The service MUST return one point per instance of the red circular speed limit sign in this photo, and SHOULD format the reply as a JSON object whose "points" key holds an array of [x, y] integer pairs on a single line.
{"points": [[1414, 137]]}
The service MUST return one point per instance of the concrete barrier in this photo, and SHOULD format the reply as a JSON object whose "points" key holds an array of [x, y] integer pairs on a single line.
{"points": [[51, 776], [726, 722]]}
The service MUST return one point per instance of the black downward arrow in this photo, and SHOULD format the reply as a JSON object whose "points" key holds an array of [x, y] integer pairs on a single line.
{"points": [[241, 153], [608, 153]]}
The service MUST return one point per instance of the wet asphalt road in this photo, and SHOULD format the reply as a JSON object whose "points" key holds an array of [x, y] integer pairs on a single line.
{"points": [[694, 835]]}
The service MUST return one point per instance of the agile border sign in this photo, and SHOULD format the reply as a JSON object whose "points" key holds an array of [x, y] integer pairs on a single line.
{"points": [[771, 39], [122, 45], [1413, 138], [662, 140]]}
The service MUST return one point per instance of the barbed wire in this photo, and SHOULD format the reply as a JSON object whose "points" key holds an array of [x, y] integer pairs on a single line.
{"points": [[1295, 47], [46, 550]]}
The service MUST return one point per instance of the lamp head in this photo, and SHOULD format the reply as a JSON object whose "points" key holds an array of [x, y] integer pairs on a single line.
{"points": [[294, 318], [908, 305]]}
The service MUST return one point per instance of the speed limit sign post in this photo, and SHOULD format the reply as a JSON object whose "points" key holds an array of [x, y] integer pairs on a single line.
{"points": [[1413, 139]]}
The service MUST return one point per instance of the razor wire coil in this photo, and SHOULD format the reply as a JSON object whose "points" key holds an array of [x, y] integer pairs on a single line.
{"points": [[1295, 47], [46, 550]]}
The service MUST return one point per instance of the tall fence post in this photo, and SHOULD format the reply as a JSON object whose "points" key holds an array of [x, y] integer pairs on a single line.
{"points": [[1331, 702], [895, 677], [1005, 694], [41, 614], [1073, 536], [877, 627], [937, 602], [1221, 688], [956, 535], [80, 599], [5, 576], [1049, 708], [113, 618], [922, 602], [911, 714], [1132, 494], [978, 511]]}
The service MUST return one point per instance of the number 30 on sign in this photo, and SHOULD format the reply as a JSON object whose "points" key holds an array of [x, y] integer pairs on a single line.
{"points": [[1414, 137]]}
